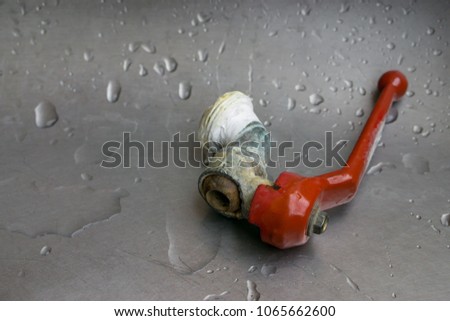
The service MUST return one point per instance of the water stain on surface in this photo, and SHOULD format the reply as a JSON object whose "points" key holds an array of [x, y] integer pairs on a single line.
{"points": [[88, 153], [61, 210], [416, 163], [268, 270], [193, 241]]}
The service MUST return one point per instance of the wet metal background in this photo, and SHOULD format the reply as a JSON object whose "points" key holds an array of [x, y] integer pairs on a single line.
{"points": [[70, 229]]}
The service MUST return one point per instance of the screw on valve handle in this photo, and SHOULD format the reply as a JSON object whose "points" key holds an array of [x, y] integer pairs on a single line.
{"points": [[290, 209]]}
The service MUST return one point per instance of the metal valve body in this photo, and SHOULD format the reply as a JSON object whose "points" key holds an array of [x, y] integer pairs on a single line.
{"points": [[289, 210]]}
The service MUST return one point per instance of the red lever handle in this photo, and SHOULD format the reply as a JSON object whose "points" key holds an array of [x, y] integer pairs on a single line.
{"points": [[287, 212]]}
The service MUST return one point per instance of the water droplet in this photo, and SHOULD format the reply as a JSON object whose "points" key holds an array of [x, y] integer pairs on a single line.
{"points": [[434, 228], [425, 133], [170, 63], [437, 52], [417, 129], [221, 48], [215, 297], [88, 55], [315, 110], [86, 177], [210, 271], [430, 31], [268, 269], [113, 91], [142, 71], [445, 219], [305, 11], [252, 292], [394, 295], [252, 269], [418, 246], [410, 93], [418, 217], [316, 99], [390, 46], [137, 180], [68, 51], [348, 83], [148, 48], [352, 125], [300, 87], [202, 55], [333, 89], [262, 102], [378, 168], [192, 34], [276, 83], [46, 250], [126, 64], [45, 114], [352, 283], [158, 68], [16, 33], [335, 268], [359, 112], [392, 116], [362, 91], [291, 103], [416, 163], [133, 46], [344, 7], [203, 17], [273, 33], [184, 90]]}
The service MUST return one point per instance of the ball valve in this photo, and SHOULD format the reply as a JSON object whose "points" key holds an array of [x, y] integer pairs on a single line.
{"points": [[290, 209]]}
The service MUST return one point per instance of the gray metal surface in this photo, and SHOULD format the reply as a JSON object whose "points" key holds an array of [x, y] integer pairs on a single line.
{"points": [[146, 234]]}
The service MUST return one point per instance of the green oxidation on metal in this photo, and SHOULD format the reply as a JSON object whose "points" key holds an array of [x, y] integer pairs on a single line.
{"points": [[230, 124], [246, 171]]}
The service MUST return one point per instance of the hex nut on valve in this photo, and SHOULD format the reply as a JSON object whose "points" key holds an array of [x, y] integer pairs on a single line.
{"points": [[320, 223]]}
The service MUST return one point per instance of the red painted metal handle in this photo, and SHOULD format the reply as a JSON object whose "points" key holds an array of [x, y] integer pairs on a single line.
{"points": [[283, 211]]}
